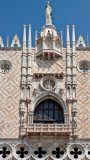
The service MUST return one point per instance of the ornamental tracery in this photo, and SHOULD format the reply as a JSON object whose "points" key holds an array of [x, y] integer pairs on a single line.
{"points": [[76, 151], [22, 151], [5, 151], [40, 151], [58, 151]]}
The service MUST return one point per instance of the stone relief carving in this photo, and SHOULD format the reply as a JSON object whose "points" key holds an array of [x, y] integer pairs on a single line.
{"points": [[35, 92], [48, 83]]}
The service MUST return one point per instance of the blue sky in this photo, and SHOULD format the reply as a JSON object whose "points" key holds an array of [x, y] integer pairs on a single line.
{"points": [[15, 13]]}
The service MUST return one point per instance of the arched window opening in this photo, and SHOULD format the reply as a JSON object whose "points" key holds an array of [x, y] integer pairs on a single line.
{"points": [[48, 111]]}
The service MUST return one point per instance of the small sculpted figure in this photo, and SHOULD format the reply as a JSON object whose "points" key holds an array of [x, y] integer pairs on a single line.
{"points": [[48, 13]]}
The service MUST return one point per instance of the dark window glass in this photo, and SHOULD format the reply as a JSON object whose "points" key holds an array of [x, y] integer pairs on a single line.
{"points": [[48, 111]]}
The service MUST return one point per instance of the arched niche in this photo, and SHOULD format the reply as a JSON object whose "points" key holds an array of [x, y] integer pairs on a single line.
{"points": [[48, 95]]}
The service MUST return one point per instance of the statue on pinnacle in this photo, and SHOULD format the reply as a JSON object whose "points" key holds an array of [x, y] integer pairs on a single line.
{"points": [[48, 14]]}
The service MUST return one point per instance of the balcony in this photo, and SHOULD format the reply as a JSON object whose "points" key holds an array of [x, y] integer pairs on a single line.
{"points": [[48, 54], [48, 129]]}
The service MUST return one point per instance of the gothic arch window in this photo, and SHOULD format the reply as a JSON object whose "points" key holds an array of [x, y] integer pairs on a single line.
{"points": [[48, 111]]}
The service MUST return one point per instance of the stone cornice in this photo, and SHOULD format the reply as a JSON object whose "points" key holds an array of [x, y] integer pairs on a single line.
{"points": [[10, 48]]}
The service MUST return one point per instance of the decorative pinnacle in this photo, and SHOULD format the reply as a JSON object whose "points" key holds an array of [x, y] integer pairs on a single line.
{"points": [[24, 26], [87, 41], [68, 36]]}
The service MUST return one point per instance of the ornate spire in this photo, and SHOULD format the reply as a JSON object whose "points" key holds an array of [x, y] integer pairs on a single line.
{"points": [[7, 41], [24, 39], [87, 41], [68, 40], [73, 39], [29, 40]]}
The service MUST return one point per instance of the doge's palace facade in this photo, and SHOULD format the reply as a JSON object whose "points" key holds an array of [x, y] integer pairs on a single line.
{"points": [[45, 96]]}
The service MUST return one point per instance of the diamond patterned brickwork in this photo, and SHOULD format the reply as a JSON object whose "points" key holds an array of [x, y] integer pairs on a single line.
{"points": [[10, 95], [83, 98]]}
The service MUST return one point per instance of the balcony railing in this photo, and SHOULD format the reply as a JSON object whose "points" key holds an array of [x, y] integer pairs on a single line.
{"points": [[48, 128]]}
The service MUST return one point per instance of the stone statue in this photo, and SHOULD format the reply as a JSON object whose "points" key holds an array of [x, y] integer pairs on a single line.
{"points": [[48, 14]]}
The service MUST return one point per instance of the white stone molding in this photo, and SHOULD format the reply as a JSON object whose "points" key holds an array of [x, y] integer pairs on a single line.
{"points": [[80, 41], [80, 149], [36, 148], [58, 148], [15, 41], [8, 148], [48, 83], [1, 42], [25, 148], [52, 95]]}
